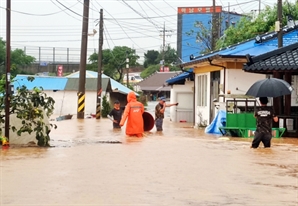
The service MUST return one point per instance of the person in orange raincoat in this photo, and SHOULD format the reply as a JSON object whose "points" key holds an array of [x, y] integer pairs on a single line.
{"points": [[134, 114]]}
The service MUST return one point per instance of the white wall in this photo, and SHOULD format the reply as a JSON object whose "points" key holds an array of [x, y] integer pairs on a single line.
{"points": [[66, 102], [186, 89], [294, 95], [238, 81]]}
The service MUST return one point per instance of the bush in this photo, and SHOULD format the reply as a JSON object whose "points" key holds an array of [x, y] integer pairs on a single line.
{"points": [[31, 107], [106, 107]]}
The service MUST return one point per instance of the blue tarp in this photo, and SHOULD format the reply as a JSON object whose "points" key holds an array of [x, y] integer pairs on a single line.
{"points": [[218, 121]]}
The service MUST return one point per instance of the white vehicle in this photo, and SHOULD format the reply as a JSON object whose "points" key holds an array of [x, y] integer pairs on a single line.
{"points": [[133, 78]]}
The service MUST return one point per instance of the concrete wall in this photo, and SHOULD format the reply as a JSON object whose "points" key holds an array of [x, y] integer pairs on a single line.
{"points": [[237, 81], [66, 102], [183, 94], [36, 68]]}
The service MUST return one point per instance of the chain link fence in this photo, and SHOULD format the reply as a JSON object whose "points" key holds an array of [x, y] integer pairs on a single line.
{"points": [[48, 58]]}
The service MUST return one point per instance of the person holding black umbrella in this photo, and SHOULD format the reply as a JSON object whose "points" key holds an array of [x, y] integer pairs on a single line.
{"points": [[264, 115]]}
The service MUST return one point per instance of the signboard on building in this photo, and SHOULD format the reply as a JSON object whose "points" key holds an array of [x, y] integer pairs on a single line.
{"points": [[201, 9], [43, 64], [164, 69]]}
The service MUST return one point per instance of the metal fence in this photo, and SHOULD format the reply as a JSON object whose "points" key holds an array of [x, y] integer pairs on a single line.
{"points": [[52, 55]]}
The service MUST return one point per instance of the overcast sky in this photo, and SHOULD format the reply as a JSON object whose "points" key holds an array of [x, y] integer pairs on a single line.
{"points": [[133, 23]]}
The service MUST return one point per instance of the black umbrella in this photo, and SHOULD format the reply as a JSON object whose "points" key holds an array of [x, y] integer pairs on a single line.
{"points": [[270, 87]]}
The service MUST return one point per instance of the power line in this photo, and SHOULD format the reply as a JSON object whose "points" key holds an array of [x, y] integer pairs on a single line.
{"points": [[31, 14]]}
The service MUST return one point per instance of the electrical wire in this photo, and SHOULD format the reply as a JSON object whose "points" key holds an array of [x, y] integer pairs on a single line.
{"points": [[30, 14], [122, 29], [154, 24]]}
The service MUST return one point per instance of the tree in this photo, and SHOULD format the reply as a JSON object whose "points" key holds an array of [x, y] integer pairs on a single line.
{"points": [[203, 36], [30, 107], [264, 22], [114, 61], [18, 59], [106, 107], [171, 59], [170, 56], [151, 58], [156, 68]]}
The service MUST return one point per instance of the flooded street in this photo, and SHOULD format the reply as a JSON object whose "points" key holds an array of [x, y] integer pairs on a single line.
{"points": [[91, 164]]}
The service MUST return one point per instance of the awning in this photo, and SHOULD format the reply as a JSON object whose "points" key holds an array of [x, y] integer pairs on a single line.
{"points": [[180, 79]]}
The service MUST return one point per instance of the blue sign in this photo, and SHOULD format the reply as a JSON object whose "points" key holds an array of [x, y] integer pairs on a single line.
{"points": [[44, 64]]}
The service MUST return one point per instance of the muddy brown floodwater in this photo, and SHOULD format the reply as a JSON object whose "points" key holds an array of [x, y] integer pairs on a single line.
{"points": [[90, 164]]}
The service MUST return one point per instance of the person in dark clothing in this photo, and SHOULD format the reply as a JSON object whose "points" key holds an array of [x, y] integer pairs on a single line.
{"points": [[159, 112], [264, 115], [116, 114]]}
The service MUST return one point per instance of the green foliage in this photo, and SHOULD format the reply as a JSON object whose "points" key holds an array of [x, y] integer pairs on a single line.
{"points": [[2, 52], [114, 61], [247, 28], [142, 98], [106, 107], [30, 107], [203, 36], [150, 70], [18, 59], [151, 58], [155, 68]]}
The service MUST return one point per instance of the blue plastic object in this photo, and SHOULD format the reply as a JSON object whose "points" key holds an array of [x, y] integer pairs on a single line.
{"points": [[218, 121]]}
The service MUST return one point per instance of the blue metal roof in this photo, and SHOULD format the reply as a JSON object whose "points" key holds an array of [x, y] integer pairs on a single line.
{"points": [[180, 77], [268, 42], [46, 82]]}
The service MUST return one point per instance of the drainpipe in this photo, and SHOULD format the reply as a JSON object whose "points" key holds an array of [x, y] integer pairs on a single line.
{"points": [[224, 83]]}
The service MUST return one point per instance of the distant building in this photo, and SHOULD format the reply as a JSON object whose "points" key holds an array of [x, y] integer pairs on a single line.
{"points": [[190, 22]]}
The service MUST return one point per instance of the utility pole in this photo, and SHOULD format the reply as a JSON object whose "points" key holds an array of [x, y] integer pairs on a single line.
{"points": [[279, 22], [278, 101], [163, 46], [7, 83], [214, 27], [164, 31], [99, 83], [127, 69], [83, 60]]}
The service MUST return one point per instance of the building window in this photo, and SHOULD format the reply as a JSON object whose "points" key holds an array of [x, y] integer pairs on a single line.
{"points": [[202, 90]]}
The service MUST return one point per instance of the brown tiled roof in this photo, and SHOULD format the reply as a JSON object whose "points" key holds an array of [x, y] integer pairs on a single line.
{"points": [[157, 81]]}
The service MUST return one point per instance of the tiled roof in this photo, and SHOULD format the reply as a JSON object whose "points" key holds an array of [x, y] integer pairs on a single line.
{"points": [[157, 81], [261, 44], [282, 59]]}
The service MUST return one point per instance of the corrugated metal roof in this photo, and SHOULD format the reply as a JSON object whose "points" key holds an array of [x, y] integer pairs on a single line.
{"points": [[180, 79], [89, 74], [90, 84], [156, 81], [116, 86], [267, 42], [282, 59], [46, 82]]}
